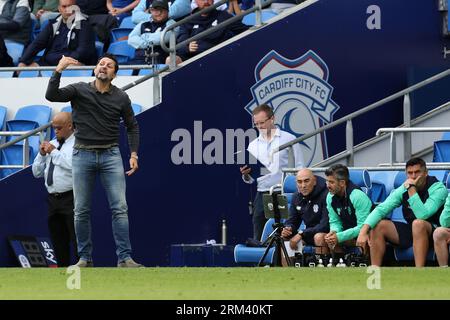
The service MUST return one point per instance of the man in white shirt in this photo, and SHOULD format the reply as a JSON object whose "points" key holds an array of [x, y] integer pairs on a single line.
{"points": [[54, 163], [270, 137]]}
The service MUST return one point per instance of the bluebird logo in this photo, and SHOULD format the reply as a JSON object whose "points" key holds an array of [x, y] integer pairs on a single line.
{"points": [[300, 95]]}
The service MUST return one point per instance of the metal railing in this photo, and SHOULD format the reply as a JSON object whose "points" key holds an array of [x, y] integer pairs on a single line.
{"points": [[349, 125], [392, 141], [24, 135]]}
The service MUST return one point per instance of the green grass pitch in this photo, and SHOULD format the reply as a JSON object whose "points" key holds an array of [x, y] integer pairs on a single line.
{"points": [[226, 283]]}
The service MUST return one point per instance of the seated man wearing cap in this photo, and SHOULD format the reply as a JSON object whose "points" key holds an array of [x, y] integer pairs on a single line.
{"points": [[148, 34], [422, 198]]}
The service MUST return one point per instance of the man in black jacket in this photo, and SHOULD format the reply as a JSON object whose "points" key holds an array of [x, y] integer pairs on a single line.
{"points": [[5, 58], [69, 35], [15, 20], [308, 205], [202, 23]]}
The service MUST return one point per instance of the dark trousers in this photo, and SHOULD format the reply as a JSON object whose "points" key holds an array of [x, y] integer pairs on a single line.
{"points": [[61, 226], [259, 220]]}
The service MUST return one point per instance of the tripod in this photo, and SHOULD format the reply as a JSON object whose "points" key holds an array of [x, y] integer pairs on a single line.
{"points": [[275, 205], [275, 237]]}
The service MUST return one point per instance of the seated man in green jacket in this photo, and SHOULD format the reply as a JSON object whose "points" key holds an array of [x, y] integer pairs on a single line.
{"points": [[347, 206], [422, 199], [441, 235]]}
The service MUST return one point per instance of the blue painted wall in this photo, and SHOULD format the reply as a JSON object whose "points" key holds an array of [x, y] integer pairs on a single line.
{"points": [[170, 203]]}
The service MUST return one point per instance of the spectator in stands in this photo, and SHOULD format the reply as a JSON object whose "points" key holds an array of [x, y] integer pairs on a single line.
{"points": [[93, 7], [441, 235], [422, 199], [121, 8], [202, 23], [5, 58], [44, 10], [69, 35], [177, 10], [270, 137], [15, 21], [98, 108], [146, 34], [347, 206], [233, 7], [308, 205], [54, 162], [101, 22]]}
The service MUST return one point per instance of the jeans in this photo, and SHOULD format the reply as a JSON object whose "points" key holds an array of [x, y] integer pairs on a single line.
{"points": [[107, 163]]}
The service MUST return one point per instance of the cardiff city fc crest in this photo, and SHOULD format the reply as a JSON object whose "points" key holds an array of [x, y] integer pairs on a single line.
{"points": [[300, 96]]}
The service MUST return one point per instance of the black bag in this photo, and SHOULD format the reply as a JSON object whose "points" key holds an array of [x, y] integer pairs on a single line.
{"points": [[250, 242]]}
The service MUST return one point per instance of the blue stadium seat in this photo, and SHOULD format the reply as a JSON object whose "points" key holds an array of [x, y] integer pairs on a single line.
{"points": [[3, 111], [66, 109], [120, 34], [29, 74], [408, 254], [69, 73], [441, 175], [15, 50], [144, 72], [99, 48], [252, 255], [13, 155], [137, 108], [29, 118], [445, 135], [362, 179], [127, 23], [122, 51], [38, 113], [6, 74], [125, 72], [250, 19], [386, 178], [441, 151]]}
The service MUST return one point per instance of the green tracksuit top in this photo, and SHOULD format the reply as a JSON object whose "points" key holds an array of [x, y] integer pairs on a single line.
{"points": [[444, 220], [361, 205], [437, 194]]}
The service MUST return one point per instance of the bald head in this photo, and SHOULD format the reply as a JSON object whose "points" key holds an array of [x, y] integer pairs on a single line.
{"points": [[306, 181], [62, 124]]}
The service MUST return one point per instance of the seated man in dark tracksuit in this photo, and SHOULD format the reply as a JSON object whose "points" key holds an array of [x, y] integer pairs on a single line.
{"points": [[308, 205], [202, 23], [70, 35], [148, 34], [348, 208], [422, 198]]}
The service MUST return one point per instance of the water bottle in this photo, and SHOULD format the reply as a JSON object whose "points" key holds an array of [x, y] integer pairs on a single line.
{"points": [[330, 263], [341, 263], [224, 232], [320, 264]]}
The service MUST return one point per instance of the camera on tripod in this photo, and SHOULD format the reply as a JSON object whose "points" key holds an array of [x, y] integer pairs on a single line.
{"points": [[276, 207]]}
